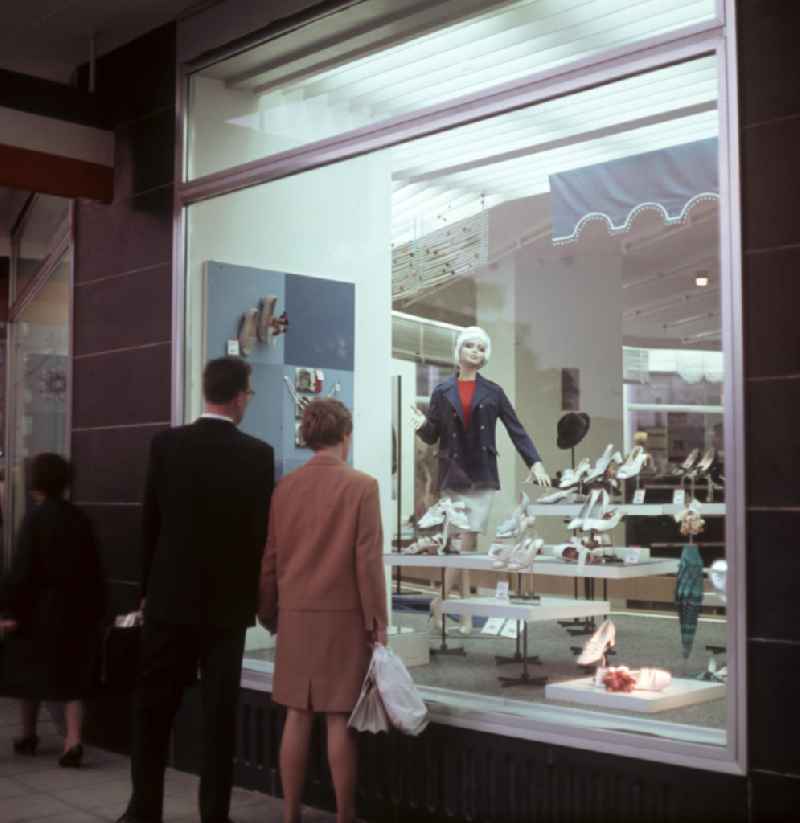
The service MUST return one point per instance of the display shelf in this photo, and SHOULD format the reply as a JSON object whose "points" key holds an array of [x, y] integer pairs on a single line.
{"points": [[628, 509], [681, 692], [545, 566], [544, 609]]}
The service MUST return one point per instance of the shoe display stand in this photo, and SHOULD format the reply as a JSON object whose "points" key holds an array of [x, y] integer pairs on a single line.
{"points": [[543, 609], [680, 693], [628, 509], [545, 566]]}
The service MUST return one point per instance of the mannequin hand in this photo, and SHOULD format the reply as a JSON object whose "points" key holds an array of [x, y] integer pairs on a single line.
{"points": [[418, 419], [538, 474]]}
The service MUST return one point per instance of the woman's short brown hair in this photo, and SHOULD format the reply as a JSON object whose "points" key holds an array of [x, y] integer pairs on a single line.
{"points": [[325, 422]]}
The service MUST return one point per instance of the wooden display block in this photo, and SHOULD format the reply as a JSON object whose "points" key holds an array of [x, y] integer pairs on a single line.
{"points": [[681, 692]]}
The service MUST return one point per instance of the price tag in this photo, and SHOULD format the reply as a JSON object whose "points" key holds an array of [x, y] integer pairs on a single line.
{"points": [[493, 626], [638, 497], [233, 348], [510, 629], [501, 592], [633, 555], [679, 497]]}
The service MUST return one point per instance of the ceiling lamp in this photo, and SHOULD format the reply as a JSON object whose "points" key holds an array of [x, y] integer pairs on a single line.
{"points": [[701, 279]]}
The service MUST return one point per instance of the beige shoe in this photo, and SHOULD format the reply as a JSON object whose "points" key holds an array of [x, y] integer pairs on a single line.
{"points": [[247, 333]]}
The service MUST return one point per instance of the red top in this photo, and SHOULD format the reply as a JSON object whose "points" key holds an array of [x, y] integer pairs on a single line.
{"points": [[466, 391]]}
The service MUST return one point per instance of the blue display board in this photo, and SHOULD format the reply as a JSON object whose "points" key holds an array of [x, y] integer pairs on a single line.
{"points": [[321, 335]]}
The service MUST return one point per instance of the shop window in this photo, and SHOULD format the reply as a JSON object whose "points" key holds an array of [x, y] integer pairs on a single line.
{"points": [[582, 236], [364, 65], [43, 222]]}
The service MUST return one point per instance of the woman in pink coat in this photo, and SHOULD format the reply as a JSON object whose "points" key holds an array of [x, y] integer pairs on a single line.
{"points": [[323, 590]]}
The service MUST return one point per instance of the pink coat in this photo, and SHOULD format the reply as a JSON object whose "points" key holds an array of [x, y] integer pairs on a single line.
{"points": [[322, 583]]}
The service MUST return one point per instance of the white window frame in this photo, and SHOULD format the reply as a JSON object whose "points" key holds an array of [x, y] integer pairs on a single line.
{"points": [[717, 37]]}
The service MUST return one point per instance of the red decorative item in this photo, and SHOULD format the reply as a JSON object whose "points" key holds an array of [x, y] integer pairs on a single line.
{"points": [[619, 680]]}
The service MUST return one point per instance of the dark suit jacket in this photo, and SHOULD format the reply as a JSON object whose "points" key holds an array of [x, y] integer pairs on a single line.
{"points": [[204, 524], [468, 456]]}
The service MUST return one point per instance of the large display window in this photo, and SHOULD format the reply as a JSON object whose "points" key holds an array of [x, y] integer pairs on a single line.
{"points": [[527, 314]]}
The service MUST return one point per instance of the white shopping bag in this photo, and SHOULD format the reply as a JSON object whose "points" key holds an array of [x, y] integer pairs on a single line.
{"points": [[405, 708], [368, 715]]}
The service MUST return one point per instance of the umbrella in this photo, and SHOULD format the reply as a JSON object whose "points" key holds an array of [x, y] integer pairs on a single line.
{"points": [[689, 595]]}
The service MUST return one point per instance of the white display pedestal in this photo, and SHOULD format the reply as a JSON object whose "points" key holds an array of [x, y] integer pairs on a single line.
{"points": [[410, 645], [679, 693]]}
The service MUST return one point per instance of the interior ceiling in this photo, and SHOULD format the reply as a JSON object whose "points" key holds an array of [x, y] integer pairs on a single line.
{"points": [[50, 38]]}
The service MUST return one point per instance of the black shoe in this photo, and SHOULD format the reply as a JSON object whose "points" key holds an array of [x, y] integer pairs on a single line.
{"points": [[26, 745], [128, 817], [71, 759]]}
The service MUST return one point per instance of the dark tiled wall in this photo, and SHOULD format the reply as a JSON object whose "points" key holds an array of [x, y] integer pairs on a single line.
{"points": [[123, 288], [770, 140]]}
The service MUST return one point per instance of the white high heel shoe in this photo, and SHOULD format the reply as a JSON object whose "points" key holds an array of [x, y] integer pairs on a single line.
{"points": [[598, 644], [596, 512], [571, 477], [633, 464], [525, 554], [500, 553], [602, 464], [577, 521], [456, 515], [559, 496], [511, 527]]}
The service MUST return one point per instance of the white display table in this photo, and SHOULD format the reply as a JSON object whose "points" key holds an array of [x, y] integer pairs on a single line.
{"points": [[681, 692], [628, 509], [546, 566], [544, 608]]}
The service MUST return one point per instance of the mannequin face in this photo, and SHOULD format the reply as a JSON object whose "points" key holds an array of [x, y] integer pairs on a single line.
{"points": [[472, 354]]}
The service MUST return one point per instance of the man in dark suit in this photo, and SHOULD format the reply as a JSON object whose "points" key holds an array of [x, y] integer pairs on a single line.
{"points": [[204, 527]]}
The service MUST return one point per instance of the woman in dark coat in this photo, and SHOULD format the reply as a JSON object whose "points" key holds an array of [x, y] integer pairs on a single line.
{"points": [[53, 599]]}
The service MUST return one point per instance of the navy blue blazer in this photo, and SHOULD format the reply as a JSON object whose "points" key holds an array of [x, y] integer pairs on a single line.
{"points": [[468, 456]]}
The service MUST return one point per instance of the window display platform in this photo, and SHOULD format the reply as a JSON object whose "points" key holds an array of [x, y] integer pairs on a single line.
{"points": [[547, 566], [545, 608], [681, 692], [627, 509]]}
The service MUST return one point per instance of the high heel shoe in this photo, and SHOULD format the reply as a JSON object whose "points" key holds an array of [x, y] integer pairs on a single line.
{"points": [[598, 644], [602, 464], [26, 745], [512, 526], [687, 464], [500, 553], [71, 759], [525, 554], [577, 521], [571, 477], [633, 463]]}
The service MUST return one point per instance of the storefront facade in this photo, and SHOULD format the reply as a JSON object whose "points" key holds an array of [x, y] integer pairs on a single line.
{"points": [[569, 181]]}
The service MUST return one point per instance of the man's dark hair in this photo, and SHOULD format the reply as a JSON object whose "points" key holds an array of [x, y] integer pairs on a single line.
{"points": [[224, 378], [51, 474]]}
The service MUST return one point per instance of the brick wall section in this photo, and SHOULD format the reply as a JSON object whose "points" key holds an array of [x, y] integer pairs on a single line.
{"points": [[770, 137], [123, 288]]}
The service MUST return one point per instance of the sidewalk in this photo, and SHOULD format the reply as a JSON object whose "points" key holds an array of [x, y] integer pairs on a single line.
{"points": [[36, 789]]}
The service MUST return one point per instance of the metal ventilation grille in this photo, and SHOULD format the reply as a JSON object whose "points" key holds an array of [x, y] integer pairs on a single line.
{"points": [[635, 365], [426, 341], [444, 254]]}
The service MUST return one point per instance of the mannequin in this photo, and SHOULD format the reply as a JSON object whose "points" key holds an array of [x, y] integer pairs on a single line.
{"points": [[462, 419]]}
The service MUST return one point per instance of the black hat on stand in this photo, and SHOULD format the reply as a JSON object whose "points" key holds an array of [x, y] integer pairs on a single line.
{"points": [[572, 428]]}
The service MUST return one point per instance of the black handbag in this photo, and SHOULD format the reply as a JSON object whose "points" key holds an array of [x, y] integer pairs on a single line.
{"points": [[119, 658]]}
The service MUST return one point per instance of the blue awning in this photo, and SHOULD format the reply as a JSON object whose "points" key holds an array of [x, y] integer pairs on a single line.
{"points": [[667, 180]]}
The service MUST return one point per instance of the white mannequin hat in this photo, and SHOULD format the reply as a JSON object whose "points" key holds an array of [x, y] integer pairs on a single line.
{"points": [[473, 333]]}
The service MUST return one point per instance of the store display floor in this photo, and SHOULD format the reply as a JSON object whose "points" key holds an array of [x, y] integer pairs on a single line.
{"points": [[642, 640]]}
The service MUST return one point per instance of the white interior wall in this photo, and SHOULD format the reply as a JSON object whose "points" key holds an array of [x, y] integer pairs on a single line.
{"points": [[330, 223]]}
